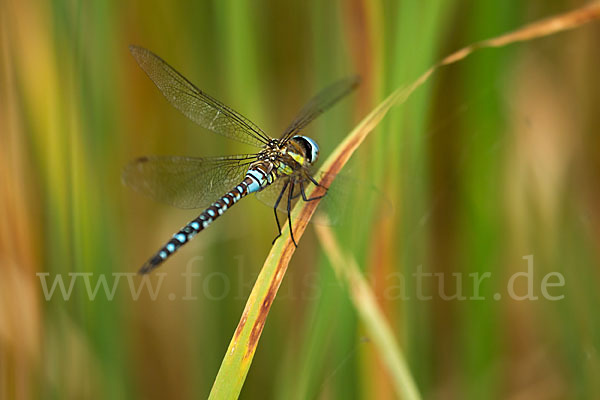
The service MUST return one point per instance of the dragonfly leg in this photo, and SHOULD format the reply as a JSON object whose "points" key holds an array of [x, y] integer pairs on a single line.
{"points": [[304, 194], [315, 182], [275, 210], [289, 212]]}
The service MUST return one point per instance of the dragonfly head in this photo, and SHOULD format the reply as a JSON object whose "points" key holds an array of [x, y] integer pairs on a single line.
{"points": [[311, 149]]}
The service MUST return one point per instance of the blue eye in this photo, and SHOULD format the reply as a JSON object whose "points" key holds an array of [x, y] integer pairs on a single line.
{"points": [[310, 147]]}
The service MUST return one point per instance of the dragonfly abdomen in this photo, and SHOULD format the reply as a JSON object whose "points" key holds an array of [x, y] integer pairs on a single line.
{"points": [[256, 178]]}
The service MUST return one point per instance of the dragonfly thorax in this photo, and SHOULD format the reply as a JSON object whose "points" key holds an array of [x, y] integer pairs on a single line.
{"points": [[292, 155]]}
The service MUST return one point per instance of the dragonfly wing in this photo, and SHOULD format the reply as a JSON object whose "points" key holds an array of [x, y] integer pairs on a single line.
{"points": [[186, 182], [195, 104], [321, 102]]}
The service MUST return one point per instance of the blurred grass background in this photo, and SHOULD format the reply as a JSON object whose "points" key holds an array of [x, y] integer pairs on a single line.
{"points": [[496, 158]]}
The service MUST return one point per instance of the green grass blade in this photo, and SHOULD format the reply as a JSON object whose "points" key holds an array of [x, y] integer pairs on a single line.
{"points": [[372, 316], [242, 347]]}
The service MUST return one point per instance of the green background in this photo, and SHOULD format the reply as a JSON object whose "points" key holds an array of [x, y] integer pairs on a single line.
{"points": [[495, 159]]}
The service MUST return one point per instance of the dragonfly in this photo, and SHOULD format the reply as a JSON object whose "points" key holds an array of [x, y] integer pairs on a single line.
{"points": [[278, 173]]}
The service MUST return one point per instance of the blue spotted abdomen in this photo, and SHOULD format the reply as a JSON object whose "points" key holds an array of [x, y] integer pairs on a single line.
{"points": [[256, 178]]}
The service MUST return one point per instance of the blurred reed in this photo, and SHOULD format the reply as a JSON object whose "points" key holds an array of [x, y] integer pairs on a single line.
{"points": [[494, 159]]}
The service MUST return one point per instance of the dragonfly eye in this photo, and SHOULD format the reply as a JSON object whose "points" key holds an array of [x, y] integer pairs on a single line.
{"points": [[310, 147]]}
